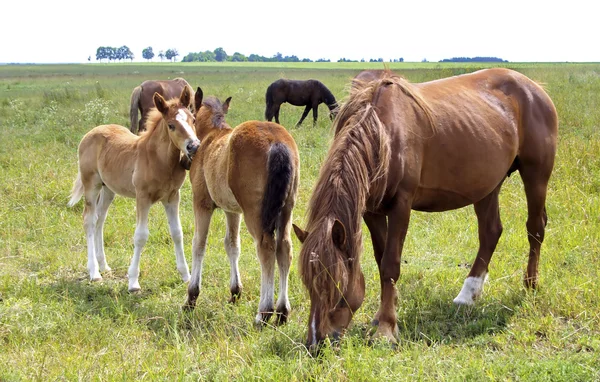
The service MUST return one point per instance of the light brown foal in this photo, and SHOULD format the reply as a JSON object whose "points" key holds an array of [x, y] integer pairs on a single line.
{"points": [[251, 170], [113, 160]]}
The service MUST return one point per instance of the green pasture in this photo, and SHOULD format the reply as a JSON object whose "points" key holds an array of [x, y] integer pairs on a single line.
{"points": [[56, 325]]}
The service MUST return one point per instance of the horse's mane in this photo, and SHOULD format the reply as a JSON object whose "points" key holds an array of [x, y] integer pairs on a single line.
{"points": [[354, 171], [218, 115], [328, 96]]}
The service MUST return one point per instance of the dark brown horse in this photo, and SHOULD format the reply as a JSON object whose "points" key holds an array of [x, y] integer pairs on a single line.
{"points": [[309, 93], [142, 99], [434, 146], [252, 170]]}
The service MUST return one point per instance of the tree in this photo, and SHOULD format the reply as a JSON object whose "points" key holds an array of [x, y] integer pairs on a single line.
{"points": [[161, 55], [220, 55], [147, 53], [238, 57], [124, 53], [171, 54]]}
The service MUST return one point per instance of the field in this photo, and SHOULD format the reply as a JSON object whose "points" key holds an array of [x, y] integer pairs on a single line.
{"points": [[56, 325]]}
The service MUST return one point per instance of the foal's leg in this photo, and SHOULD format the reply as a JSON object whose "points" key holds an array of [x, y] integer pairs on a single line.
{"points": [[389, 270], [139, 240], [304, 114], [490, 229], [172, 209], [202, 218], [377, 225], [535, 181], [232, 247], [105, 199], [92, 192], [283, 252], [265, 248]]}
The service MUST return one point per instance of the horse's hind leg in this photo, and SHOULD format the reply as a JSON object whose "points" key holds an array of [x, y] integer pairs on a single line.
{"points": [[172, 210], [535, 181], [104, 200], [92, 191], [275, 109], [490, 229], [232, 247], [283, 252]]}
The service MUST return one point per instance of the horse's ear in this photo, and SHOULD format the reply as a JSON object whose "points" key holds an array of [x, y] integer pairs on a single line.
{"points": [[338, 235], [226, 105], [160, 103], [300, 233], [186, 97], [198, 98]]}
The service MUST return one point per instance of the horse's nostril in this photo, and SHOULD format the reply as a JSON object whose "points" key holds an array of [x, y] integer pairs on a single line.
{"points": [[192, 147]]}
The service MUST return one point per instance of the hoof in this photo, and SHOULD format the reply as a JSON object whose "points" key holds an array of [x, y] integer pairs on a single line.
{"points": [[262, 318], [95, 278], [105, 268], [134, 288], [471, 290]]}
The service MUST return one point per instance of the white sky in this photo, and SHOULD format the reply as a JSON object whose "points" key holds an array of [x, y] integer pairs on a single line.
{"points": [[43, 31]]}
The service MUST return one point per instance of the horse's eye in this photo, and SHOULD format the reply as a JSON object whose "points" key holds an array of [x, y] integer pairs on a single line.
{"points": [[171, 126]]}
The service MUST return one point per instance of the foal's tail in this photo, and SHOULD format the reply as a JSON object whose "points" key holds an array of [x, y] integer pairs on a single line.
{"points": [[279, 180], [269, 101], [77, 191], [133, 109]]}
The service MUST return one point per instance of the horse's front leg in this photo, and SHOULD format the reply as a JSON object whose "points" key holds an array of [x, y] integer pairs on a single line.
{"points": [[232, 248], [202, 215], [172, 210], [377, 225], [389, 270], [304, 114], [139, 240], [315, 109]]}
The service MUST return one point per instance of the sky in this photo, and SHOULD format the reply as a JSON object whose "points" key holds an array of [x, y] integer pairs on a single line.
{"points": [[64, 31]]}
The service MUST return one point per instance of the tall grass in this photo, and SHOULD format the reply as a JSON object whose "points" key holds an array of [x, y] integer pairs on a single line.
{"points": [[55, 324]]}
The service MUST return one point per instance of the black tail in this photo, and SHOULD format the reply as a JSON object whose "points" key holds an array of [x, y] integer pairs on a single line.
{"points": [[280, 170], [269, 102]]}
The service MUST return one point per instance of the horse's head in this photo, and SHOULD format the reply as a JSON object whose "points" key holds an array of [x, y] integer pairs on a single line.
{"points": [[210, 113], [333, 277], [179, 121]]}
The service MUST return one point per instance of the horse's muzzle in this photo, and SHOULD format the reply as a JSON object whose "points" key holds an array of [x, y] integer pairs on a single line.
{"points": [[191, 148]]}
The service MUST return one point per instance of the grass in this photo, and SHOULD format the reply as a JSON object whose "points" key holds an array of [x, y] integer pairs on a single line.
{"points": [[56, 325]]}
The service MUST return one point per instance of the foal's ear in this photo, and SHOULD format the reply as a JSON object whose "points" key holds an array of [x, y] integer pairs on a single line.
{"points": [[160, 103], [226, 105], [186, 97], [198, 99], [300, 233], [338, 235]]}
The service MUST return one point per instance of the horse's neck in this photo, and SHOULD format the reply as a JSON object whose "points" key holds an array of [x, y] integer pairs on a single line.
{"points": [[160, 144], [209, 135]]}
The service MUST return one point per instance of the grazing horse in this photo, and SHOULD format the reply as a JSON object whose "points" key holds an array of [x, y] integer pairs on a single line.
{"points": [[142, 98], [433, 147], [251, 170], [309, 93], [112, 160]]}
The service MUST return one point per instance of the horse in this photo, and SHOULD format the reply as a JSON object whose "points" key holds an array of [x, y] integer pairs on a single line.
{"points": [[252, 170], [113, 160], [433, 147], [309, 93], [142, 98]]}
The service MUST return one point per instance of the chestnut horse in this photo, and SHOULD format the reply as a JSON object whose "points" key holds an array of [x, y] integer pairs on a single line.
{"points": [[142, 98], [433, 147], [112, 160], [309, 93], [252, 170]]}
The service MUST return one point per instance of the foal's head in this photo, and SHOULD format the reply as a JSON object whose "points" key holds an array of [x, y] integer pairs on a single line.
{"points": [[210, 113], [180, 122]]}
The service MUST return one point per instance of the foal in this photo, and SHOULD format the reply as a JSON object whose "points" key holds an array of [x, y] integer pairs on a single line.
{"points": [[251, 170], [112, 160]]}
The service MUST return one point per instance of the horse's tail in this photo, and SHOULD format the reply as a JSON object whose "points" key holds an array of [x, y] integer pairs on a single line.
{"points": [[280, 170], [269, 101], [133, 108], [77, 191]]}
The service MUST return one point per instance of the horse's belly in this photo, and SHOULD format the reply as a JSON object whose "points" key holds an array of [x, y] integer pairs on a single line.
{"points": [[223, 197], [429, 200]]}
